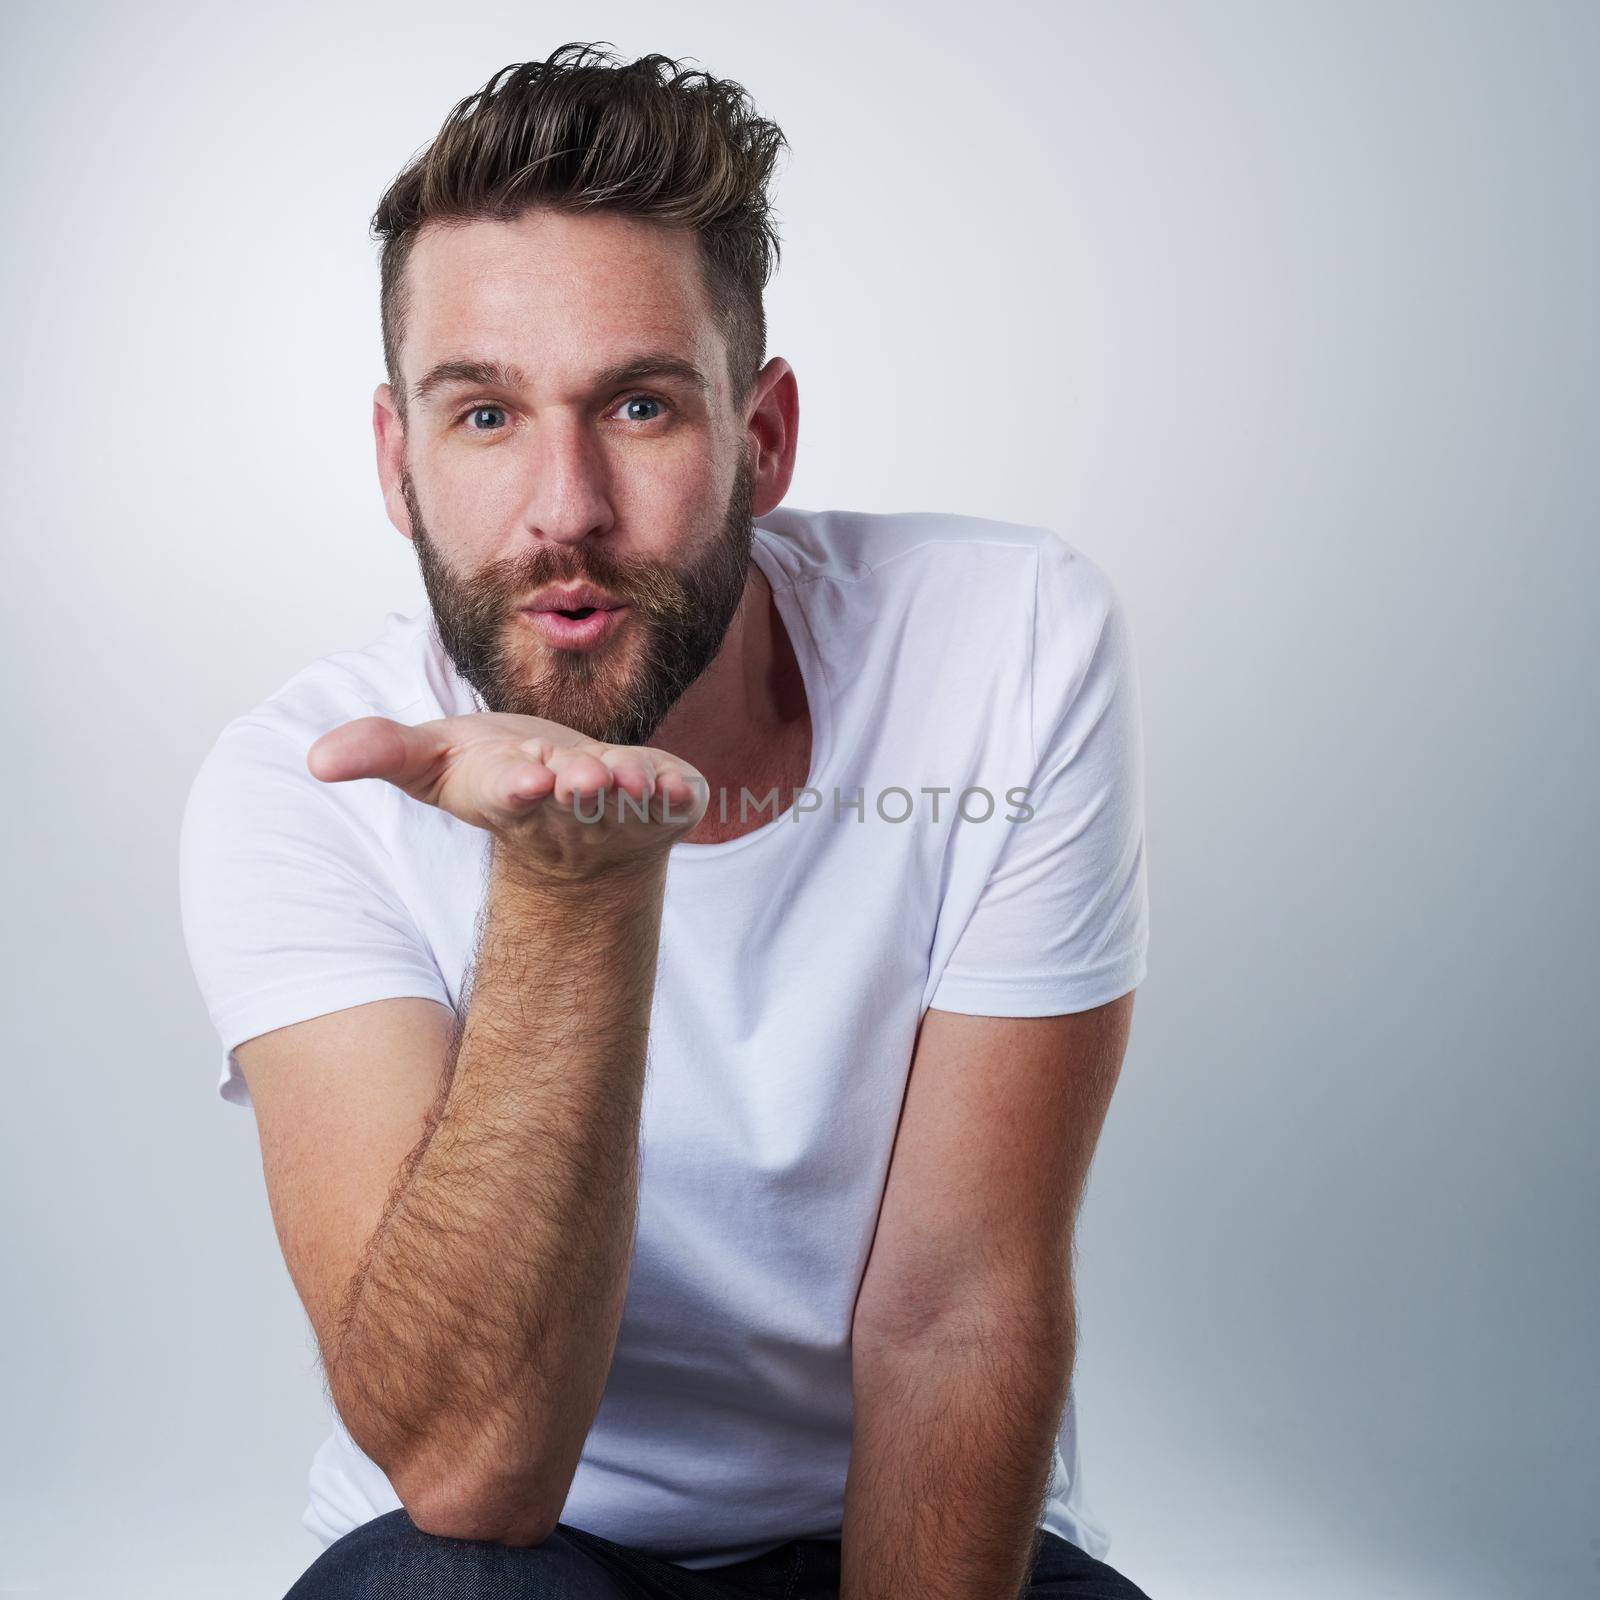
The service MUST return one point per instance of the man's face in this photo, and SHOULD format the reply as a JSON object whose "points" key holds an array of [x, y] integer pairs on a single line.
{"points": [[548, 475]]}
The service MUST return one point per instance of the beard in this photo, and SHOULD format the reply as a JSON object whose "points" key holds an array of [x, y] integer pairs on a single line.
{"points": [[620, 692]]}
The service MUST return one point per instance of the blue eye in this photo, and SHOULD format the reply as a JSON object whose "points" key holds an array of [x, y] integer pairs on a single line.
{"points": [[645, 400], [478, 411]]}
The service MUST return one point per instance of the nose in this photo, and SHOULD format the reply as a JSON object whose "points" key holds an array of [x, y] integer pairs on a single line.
{"points": [[569, 498]]}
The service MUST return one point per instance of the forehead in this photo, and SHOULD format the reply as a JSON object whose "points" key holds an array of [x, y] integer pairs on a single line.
{"points": [[556, 294]]}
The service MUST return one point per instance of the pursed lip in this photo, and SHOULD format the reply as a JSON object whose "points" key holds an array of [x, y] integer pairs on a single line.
{"points": [[582, 596]]}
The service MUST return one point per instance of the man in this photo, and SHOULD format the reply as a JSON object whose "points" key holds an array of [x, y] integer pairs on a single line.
{"points": [[680, 974]]}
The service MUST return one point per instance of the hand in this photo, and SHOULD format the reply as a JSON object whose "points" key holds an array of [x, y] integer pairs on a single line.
{"points": [[535, 784]]}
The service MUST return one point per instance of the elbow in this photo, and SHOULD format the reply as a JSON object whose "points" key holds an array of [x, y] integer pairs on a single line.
{"points": [[460, 1485], [459, 1489], [456, 1505]]}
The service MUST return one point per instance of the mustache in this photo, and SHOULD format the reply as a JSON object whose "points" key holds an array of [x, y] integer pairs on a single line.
{"points": [[497, 591], [652, 588]]}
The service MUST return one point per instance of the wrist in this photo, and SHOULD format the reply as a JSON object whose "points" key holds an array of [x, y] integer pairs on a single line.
{"points": [[523, 868]]}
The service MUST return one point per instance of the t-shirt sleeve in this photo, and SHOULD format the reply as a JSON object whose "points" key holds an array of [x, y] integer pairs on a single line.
{"points": [[1062, 922], [288, 908]]}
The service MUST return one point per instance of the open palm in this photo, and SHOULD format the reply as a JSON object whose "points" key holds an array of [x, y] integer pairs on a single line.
{"points": [[535, 783]]}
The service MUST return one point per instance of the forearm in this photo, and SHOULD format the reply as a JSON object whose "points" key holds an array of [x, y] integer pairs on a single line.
{"points": [[950, 1462], [479, 1327]]}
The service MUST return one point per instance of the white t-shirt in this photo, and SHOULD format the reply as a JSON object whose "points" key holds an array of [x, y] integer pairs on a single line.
{"points": [[939, 652]]}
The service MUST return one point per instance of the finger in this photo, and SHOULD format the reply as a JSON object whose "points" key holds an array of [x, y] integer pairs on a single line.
{"points": [[633, 770], [678, 794], [540, 748], [379, 747], [505, 787], [521, 783], [578, 772]]}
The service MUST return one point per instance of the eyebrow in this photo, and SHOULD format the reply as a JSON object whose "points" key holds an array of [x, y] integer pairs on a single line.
{"points": [[504, 375]]}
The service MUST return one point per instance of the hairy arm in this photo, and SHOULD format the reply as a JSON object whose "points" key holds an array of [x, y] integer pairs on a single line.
{"points": [[470, 1350], [965, 1327], [951, 1461]]}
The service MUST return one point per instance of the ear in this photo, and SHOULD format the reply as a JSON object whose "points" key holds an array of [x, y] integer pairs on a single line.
{"points": [[774, 431], [389, 435]]}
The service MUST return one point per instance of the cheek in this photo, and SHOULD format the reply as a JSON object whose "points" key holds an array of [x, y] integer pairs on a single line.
{"points": [[470, 508], [667, 499]]}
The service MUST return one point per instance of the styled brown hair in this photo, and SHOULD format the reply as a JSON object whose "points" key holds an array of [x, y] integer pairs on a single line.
{"points": [[580, 131]]}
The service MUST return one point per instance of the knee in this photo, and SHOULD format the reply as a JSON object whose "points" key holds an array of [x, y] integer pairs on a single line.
{"points": [[390, 1558]]}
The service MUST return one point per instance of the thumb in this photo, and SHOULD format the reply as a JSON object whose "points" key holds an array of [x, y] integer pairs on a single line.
{"points": [[377, 747]]}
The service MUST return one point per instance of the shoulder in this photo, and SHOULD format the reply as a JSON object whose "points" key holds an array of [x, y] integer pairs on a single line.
{"points": [[1073, 587], [1083, 673], [902, 545], [401, 673], [256, 765], [397, 674], [974, 557], [981, 582]]}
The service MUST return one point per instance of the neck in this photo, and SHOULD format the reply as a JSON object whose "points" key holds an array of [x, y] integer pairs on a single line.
{"points": [[745, 720]]}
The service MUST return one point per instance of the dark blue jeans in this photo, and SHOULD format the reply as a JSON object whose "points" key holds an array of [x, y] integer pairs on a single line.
{"points": [[390, 1558]]}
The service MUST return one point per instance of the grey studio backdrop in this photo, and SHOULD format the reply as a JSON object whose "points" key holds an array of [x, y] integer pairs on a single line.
{"points": [[1286, 314]]}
